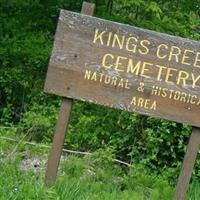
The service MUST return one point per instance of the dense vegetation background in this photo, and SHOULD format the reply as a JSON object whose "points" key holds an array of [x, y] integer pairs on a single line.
{"points": [[27, 31]]}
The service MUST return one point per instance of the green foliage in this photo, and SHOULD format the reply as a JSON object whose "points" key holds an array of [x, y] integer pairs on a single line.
{"points": [[27, 30], [93, 177], [177, 18], [78, 182], [154, 186], [156, 143], [38, 123]]}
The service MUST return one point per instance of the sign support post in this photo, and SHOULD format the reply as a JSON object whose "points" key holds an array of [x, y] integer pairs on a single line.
{"points": [[188, 164], [58, 140], [62, 123]]}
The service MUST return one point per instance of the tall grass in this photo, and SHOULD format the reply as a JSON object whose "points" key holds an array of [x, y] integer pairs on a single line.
{"points": [[92, 177]]}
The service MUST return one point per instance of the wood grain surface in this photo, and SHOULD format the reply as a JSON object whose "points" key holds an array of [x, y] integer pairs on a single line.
{"points": [[125, 67]]}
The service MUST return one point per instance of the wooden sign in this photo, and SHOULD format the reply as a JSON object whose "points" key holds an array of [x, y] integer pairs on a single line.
{"points": [[128, 68], [125, 67]]}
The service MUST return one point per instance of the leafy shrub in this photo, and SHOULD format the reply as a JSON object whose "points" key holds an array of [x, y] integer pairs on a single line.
{"points": [[39, 122]]}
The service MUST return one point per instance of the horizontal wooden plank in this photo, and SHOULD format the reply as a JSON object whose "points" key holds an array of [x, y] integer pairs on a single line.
{"points": [[125, 67]]}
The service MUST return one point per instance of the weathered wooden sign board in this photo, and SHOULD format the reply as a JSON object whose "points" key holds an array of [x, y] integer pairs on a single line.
{"points": [[124, 67]]}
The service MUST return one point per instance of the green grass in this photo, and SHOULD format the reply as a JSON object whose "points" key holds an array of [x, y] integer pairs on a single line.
{"points": [[92, 177], [75, 184]]}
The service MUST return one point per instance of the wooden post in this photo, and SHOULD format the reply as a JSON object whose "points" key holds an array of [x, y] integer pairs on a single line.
{"points": [[58, 140], [188, 165], [88, 8], [62, 122]]}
